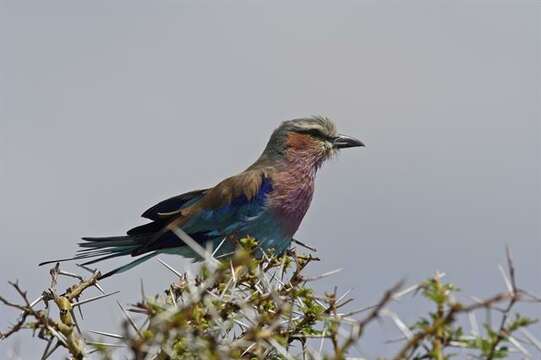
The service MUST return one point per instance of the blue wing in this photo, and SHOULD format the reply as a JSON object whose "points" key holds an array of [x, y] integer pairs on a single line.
{"points": [[219, 212], [230, 217]]}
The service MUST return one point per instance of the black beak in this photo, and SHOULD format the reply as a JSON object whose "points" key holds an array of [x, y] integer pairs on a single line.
{"points": [[344, 141]]}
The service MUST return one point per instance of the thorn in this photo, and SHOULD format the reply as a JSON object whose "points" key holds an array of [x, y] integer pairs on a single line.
{"points": [[35, 302], [59, 336], [407, 291], [247, 350], [404, 329], [80, 313], [241, 324], [313, 354], [198, 249], [46, 356], [138, 311], [172, 293], [280, 349], [324, 275], [519, 347], [68, 274], [218, 247], [355, 312], [47, 349], [343, 296], [323, 335], [532, 339], [232, 271], [506, 280], [304, 245], [143, 297], [98, 344], [95, 298], [87, 268], [226, 287], [282, 268], [75, 320], [98, 286], [474, 324], [130, 320], [170, 268], [394, 341], [511, 269], [114, 336]]}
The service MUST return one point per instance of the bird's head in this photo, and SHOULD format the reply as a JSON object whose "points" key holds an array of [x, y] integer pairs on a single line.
{"points": [[311, 140]]}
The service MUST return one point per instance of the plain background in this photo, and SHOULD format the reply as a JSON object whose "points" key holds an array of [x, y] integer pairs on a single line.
{"points": [[107, 107]]}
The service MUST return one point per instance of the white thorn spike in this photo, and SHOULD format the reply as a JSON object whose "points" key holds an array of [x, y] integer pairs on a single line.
{"points": [[170, 268], [198, 249], [324, 275], [95, 298], [129, 319], [114, 336]]}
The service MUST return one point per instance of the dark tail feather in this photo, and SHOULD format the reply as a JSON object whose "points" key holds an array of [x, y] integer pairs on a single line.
{"points": [[58, 260], [105, 238], [113, 241], [90, 262], [107, 248]]}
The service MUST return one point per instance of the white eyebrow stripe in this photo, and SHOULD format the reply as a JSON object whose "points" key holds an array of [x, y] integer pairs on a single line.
{"points": [[307, 126]]}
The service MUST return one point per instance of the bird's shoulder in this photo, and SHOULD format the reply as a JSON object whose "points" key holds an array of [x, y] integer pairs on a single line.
{"points": [[249, 186]]}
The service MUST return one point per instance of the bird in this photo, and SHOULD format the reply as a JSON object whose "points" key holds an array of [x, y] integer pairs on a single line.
{"points": [[267, 202]]}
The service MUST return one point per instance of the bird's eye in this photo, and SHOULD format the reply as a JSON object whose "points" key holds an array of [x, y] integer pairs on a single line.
{"points": [[317, 133]]}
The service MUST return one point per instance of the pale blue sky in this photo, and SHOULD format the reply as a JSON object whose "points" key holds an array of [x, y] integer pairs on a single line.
{"points": [[109, 106]]}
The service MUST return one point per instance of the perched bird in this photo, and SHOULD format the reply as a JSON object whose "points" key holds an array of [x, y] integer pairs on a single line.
{"points": [[267, 201]]}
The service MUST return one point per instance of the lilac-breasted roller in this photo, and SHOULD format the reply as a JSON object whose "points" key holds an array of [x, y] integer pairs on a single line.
{"points": [[267, 201]]}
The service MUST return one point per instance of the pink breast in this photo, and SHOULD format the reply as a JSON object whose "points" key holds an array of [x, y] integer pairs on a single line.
{"points": [[290, 200]]}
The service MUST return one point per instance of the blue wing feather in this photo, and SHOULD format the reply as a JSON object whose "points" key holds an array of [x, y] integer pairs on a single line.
{"points": [[231, 217], [208, 224]]}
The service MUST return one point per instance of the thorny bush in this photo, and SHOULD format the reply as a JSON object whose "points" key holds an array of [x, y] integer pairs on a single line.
{"points": [[262, 307]]}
